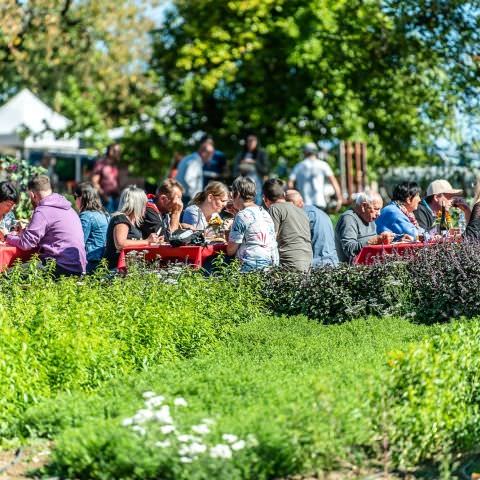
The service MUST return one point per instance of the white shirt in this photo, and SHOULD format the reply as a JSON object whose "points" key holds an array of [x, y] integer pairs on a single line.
{"points": [[309, 177], [190, 174]]}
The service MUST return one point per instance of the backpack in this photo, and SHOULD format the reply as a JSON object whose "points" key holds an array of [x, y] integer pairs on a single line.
{"points": [[183, 237]]}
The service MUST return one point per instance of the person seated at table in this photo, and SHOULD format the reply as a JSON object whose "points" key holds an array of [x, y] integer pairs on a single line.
{"points": [[321, 230], [397, 217], [163, 210], [94, 219], [356, 227], [472, 232], [124, 226], [205, 205], [8, 199], [439, 194], [55, 230], [291, 226], [252, 238]]}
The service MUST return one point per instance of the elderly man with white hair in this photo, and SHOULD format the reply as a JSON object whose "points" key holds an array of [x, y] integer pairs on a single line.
{"points": [[356, 227]]}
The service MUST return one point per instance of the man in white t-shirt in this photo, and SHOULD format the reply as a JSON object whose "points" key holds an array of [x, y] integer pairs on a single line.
{"points": [[308, 177]]}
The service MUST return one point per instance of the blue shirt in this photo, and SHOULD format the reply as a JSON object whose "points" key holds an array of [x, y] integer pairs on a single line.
{"points": [[94, 225], [323, 237], [392, 219]]}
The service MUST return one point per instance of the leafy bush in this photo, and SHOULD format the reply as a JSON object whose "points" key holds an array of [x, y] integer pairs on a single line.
{"points": [[301, 388], [438, 283], [75, 335], [432, 398]]}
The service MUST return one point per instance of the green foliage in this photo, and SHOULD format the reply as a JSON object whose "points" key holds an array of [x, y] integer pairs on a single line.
{"points": [[20, 172], [74, 335], [384, 72], [431, 398], [302, 389]]}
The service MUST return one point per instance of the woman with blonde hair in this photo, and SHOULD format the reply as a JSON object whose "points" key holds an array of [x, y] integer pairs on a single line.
{"points": [[123, 229], [206, 205]]}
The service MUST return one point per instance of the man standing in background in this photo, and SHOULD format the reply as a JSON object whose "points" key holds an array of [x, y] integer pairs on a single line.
{"points": [[105, 177], [308, 177]]}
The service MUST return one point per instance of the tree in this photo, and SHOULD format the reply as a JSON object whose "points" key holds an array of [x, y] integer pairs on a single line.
{"points": [[88, 58], [390, 72]]}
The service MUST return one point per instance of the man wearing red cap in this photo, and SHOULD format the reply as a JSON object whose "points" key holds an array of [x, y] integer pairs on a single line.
{"points": [[439, 194]]}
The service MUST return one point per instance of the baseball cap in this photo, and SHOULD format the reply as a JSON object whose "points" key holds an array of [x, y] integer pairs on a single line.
{"points": [[310, 147], [438, 187]]}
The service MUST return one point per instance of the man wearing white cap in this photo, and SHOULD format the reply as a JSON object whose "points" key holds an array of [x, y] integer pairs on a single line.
{"points": [[308, 177], [439, 193]]}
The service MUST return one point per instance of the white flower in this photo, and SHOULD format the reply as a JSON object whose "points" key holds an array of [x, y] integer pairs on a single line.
{"points": [[147, 395], [154, 401], [140, 430], [180, 402], [163, 415], [186, 460], [240, 445], [127, 422], [164, 444], [143, 415], [208, 421], [228, 437], [221, 451], [252, 440], [201, 429], [192, 450], [186, 438], [166, 429]]}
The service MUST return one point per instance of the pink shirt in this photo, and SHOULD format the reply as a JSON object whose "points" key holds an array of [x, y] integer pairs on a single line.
{"points": [[108, 176]]}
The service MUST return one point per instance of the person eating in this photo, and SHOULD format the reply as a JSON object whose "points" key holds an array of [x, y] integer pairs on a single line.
{"points": [[205, 206], [397, 217]]}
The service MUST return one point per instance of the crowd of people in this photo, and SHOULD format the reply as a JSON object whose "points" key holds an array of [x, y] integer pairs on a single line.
{"points": [[269, 222]]}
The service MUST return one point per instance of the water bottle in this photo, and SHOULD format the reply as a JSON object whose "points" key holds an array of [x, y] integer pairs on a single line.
{"points": [[461, 222]]}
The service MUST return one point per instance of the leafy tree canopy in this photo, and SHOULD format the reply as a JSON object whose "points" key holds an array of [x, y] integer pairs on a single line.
{"points": [[388, 72], [88, 58]]}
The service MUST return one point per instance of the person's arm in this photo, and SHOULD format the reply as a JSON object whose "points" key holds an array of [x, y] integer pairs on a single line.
{"points": [[86, 226], [274, 213], [348, 235], [177, 208], [120, 234], [338, 192], [30, 237], [292, 177], [191, 217], [237, 235]]}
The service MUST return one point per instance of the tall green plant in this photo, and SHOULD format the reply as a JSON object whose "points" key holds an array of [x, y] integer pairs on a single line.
{"points": [[19, 171]]}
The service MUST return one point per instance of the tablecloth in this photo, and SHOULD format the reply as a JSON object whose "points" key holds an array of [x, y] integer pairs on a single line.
{"points": [[194, 255], [372, 253]]}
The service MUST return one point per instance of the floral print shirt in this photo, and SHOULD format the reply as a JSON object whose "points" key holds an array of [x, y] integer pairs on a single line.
{"points": [[254, 230]]}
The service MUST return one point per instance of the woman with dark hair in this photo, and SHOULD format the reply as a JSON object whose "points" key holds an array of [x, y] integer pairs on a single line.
{"points": [[252, 162], [8, 199], [397, 217], [94, 221]]}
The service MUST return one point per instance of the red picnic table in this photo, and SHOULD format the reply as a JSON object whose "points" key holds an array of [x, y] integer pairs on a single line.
{"points": [[370, 253], [194, 255], [9, 254]]}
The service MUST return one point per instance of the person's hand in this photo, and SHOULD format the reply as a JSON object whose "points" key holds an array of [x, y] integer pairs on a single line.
{"points": [[154, 238], [177, 206], [384, 238], [459, 202], [338, 205], [229, 208]]}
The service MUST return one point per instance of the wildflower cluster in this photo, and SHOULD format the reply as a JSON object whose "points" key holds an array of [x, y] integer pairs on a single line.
{"points": [[155, 420]]}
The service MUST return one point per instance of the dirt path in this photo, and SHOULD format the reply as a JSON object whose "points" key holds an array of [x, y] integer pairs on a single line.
{"points": [[14, 465]]}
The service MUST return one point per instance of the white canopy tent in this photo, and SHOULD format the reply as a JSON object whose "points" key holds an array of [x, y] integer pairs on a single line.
{"points": [[26, 112]]}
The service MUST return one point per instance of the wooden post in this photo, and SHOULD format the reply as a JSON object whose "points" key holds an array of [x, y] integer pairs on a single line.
{"points": [[364, 165], [349, 169], [358, 167], [343, 180]]}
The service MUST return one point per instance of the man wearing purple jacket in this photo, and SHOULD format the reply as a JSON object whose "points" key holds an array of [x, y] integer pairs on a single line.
{"points": [[55, 230]]}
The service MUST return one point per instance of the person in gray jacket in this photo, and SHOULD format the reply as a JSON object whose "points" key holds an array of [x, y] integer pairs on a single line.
{"points": [[356, 227]]}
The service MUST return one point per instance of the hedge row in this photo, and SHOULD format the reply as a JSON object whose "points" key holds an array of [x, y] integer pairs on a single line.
{"points": [[438, 283], [74, 335]]}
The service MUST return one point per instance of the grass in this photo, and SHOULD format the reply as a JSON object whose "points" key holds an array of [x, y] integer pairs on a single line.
{"points": [[303, 389]]}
